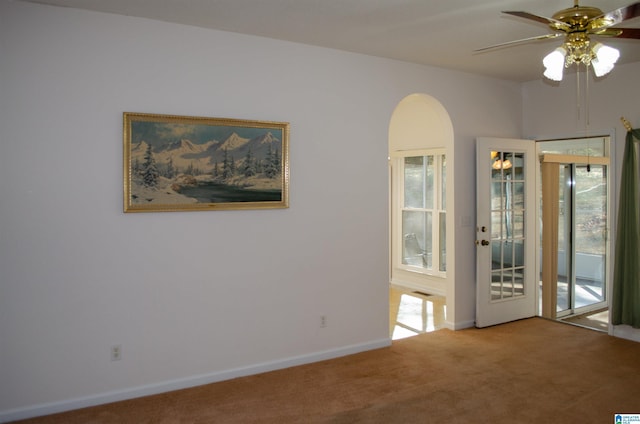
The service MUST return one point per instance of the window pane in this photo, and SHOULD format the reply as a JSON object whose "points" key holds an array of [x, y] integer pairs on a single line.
{"points": [[428, 240], [517, 196], [443, 178], [507, 254], [518, 224], [496, 255], [508, 225], [443, 242], [496, 166], [507, 166], [496, 225], [496, 195], [413, 229], [429, 184], [496, 285], [518, 253], [518, 166], [414, 182], [518, 282], [507, 284]]}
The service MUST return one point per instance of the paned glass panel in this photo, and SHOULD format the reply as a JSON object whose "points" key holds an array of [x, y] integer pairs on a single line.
{"points": [[517, 199], [518, 282], [518, 253], [508, 225], [496, 285], [429, 182], [518, 224], [496, 255], [507, 166], [507, 285], [505, 228], [507, 254], [428, 240], [496, 225], [518, 166], [414, 181], [443, 241], [496, 166], [414, 234], [496, 195], [443, 178]]}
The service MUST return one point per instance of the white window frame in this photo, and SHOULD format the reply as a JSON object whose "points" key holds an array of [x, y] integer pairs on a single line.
{"points": [[438, 208]]}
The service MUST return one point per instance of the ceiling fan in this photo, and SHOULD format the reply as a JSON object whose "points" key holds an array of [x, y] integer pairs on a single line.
{"points": [[577, 24]]}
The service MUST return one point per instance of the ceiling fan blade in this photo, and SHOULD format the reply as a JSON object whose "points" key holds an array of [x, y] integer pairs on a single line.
{"points": [[562, 26], [616, 16], [524, 40], [618, 32]]}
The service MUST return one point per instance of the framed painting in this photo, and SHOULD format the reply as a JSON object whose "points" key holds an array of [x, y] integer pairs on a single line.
{"points": [[183, 163]]}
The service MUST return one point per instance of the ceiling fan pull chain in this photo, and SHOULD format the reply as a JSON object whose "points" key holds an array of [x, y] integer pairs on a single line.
{"points": [[578, 97], [586, 94], [588, 116]]}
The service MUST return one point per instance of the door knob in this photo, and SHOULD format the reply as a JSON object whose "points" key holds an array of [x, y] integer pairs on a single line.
{"points": [[483, 242]]}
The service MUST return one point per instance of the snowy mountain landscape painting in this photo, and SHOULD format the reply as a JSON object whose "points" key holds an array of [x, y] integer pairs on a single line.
{"points": [[175, 163]]}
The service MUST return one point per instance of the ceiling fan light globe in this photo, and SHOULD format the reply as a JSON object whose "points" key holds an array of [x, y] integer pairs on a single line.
{"points": [[605, 59], [553, 75], [554, 64], [601, 69], [606, 53]]}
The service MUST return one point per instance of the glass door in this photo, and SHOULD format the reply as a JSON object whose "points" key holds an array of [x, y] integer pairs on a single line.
{"points": [[505, 232], [582, 249], [582, 238]]}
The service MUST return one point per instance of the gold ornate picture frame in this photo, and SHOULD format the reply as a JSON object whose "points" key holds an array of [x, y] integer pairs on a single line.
{"points": [[184, 163]]}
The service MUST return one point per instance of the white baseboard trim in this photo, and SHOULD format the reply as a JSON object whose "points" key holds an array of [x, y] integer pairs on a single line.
{"points": [[184, 383], [459, 325], [626, 332]]}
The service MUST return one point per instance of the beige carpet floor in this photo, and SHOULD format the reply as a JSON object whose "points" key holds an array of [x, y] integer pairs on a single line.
{"points": [[529, 371]]}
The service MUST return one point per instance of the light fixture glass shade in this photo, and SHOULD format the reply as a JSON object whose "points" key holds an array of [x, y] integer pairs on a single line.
{"points": [[605, 59], [500, 164], [554, 64]]}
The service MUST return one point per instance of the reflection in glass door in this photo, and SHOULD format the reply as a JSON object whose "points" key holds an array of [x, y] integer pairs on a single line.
{"points": [[582, 238]]}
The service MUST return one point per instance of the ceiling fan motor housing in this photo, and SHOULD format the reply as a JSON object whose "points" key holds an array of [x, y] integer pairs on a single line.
{"points": [[579, 18], [577, 22]]}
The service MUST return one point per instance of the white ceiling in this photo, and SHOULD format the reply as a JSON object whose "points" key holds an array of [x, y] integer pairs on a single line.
{"points": [[441, 33]]}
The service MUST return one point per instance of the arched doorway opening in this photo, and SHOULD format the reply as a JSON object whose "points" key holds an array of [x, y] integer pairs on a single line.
{"points": [[422, 260]]}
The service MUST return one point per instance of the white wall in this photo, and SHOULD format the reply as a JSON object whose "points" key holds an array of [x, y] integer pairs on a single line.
{"points": [[198, 296], [550, 111]]}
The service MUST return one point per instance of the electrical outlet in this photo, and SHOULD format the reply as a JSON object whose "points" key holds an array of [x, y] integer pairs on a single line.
{"points": [[323, 321], [116, 352]]}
